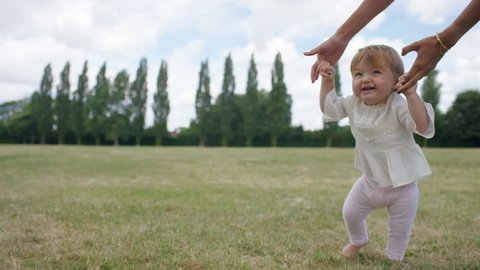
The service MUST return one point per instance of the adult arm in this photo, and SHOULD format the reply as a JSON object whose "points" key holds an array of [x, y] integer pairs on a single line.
{"points": [[430, 49], [332, 49]]}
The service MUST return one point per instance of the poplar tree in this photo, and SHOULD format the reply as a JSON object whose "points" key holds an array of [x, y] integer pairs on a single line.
{"points": [[431, 94], [431, 90], [117, 107], [98, 105], [138, 97], [227, 102], [330, 128], [41, 105], [251, 104], [280, 103], [79, 108], [62, 103], [161, 104], [203, 103]]}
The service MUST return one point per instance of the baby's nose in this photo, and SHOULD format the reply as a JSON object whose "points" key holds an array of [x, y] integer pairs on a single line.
{"points": [[366, 78]]}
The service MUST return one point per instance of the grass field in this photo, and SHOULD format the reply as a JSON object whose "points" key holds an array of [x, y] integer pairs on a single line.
{"points": [[67, 207]]}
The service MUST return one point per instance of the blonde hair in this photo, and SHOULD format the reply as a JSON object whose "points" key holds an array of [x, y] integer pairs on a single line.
{"points": [[379, 55]]}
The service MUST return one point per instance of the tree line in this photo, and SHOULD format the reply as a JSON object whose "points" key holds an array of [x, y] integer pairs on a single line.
{"points": [[113, 112]]}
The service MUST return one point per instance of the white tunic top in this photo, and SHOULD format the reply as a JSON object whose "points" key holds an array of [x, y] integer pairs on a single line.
{"points": [[385, 150]]}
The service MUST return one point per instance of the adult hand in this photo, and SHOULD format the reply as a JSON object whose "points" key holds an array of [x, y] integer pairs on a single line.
{"points": [[429, 52], [330, 50]]}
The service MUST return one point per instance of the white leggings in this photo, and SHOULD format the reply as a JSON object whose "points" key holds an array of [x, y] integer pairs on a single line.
{"points": [[401, 203]]}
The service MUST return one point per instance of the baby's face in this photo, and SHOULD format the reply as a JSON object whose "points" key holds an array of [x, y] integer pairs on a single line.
{"points": [[372, 84]]}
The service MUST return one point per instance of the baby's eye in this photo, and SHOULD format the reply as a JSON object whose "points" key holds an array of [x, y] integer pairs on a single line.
{"points": [[357, 74], [377, 71]]}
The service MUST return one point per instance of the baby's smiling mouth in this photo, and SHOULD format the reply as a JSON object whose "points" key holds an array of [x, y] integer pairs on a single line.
{"points": [[366, 88]]}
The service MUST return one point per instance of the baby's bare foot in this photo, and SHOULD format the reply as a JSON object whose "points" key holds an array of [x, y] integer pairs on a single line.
{"points": [[351, 250]]}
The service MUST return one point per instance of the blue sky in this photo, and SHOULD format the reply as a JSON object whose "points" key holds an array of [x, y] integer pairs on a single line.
{"points": [[186, 32]]}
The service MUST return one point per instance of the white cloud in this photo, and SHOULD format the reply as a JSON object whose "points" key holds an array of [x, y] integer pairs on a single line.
{"points": [[293, 19], [434, 12], [23, 62]]}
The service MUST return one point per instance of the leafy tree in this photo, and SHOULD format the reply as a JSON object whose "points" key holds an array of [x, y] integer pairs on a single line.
{"points": [[431, 94], [280, 103], [117, 107], [79, 108], [330, 128], [42, 105], [203, 103], [98, 105], [251, 104], [462, 121], [22, 125], [138, 98], [227, 102], [62, 103], [161, 105]]}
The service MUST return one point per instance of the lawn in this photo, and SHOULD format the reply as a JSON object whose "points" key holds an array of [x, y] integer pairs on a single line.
{"points": [[69, 207]]}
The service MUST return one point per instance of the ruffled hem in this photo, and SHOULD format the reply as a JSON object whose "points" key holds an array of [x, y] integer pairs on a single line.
{"points": [[395, 167]]}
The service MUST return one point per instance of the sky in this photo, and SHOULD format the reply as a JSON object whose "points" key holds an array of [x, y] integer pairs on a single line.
{"points": [[186, 32]]}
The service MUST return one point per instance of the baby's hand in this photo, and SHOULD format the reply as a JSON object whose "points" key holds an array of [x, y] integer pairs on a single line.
{"points": [[406, 92], [326, 70]]}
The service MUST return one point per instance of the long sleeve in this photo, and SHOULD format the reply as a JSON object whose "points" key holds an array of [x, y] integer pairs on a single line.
{"points": [[335, 107]]}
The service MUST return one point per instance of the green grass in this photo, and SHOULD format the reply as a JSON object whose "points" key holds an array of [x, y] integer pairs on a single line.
{"points": [[67, 207]]}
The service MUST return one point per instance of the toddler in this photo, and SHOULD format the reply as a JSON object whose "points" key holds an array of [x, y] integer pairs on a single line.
{"points": [[382, 123]]}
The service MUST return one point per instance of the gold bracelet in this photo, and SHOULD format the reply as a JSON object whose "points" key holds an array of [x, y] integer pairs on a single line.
{"points": [[445, 49]]}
